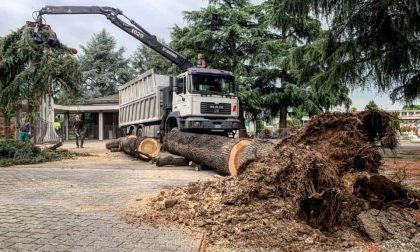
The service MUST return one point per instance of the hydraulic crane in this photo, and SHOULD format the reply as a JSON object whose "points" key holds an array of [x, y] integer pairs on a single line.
{"points": [[112, 14], [200, 99]]}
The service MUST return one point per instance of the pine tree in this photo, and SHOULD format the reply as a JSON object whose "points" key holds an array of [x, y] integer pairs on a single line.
{"points": [[29, 70], [242, 37], [145, 58], [367, 42], [371, 105], [104, 66]]}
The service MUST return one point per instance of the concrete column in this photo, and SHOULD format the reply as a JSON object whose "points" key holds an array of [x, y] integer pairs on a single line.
{"points": [[66, 124], [101, 126]]}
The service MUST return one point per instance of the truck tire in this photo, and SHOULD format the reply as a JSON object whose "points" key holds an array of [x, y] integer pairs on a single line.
{"points": [[130, 130], [140, 132], [171, 124]]}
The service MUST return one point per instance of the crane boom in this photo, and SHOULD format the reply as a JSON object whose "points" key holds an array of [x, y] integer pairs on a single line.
{"points": [[134, 29]]}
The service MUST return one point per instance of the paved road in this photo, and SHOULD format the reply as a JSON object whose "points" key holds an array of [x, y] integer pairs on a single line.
{"points": [[78, 209]]}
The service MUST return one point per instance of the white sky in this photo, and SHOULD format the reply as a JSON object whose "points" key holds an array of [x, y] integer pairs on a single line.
{"points": [[156, 16]]}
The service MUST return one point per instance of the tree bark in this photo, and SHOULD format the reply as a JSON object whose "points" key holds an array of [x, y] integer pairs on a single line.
{"points": [[283, 116], [113, 143], [56, 146], [223, 154], [144, 148], [242, 130], [171, 160]]}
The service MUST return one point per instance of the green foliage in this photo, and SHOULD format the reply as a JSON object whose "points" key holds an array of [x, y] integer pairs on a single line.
{"points": [[253, 103], [396, 123], [28, 71], [21, 152], [238, 36], [371, 105], [145, 58], [104, 66], [411, 107], [367, 42]]}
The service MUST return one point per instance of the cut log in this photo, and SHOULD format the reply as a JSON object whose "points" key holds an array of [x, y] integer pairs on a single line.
{"points": [[55, 146], [171, 160], [223, 154], [113, 143], [144, 148], [256, 149]]}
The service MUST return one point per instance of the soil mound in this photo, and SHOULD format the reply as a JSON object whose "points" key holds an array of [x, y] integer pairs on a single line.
{"points": [[315, 190]]}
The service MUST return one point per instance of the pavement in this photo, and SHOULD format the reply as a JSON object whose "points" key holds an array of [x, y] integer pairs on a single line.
{"points": [[78, 204]]}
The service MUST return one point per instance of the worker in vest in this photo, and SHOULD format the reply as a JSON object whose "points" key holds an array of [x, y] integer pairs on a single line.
{"points": [[57, 128]]}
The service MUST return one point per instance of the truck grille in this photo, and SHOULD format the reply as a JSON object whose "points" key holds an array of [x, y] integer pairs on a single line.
{"points": [[215, 108]]}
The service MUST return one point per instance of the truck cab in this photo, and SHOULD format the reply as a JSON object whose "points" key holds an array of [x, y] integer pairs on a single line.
{"points": [[204, 100]]}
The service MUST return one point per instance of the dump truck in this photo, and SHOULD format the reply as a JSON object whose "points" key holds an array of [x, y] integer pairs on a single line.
{"points": [[201, 100]]}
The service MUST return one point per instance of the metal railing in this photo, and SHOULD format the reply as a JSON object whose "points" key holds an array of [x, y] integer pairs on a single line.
{"points": [[44, 132]]}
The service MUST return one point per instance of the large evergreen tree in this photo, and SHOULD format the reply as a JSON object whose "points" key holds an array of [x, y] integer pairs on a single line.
{"points": [[242, 37], [145, 58], [29, 70], [367, 42], [227, 34], [104, 66]]}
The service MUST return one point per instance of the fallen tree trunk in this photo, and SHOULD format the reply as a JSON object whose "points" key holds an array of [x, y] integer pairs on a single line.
{"points": [[55, 146], [223, 154], [144, 148], [115, 149], [113, 143], [171, 160]]}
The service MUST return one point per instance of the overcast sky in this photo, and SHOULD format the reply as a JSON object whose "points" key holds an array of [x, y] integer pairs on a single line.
{"points": [[156, 16]]}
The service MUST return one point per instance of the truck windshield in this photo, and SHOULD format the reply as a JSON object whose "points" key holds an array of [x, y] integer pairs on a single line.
{"points": [[210, 84]]}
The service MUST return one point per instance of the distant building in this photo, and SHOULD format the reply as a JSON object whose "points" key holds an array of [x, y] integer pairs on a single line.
{"points": [[100, 116], [408, 116]]}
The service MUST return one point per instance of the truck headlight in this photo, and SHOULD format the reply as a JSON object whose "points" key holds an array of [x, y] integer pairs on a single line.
{"points": [[196, 124], [235, 125]]}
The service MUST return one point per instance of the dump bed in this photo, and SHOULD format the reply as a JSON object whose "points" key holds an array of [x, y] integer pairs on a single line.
{"points": [[141, 99]]}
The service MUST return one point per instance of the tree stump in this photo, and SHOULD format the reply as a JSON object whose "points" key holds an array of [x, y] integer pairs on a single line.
{"points": [[145, 148]]}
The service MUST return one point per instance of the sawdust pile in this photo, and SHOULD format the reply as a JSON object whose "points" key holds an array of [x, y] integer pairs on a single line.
{"points": [[316, 189]]}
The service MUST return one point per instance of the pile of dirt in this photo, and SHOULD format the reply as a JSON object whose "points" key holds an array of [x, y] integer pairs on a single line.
{"points": [[319, 188]]}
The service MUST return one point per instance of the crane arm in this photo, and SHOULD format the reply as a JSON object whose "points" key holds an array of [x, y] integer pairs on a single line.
{"points": [[134, 29]]}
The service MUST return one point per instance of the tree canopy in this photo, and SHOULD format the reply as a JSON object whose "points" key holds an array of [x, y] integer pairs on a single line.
{"points": [[103, 65], [242, 37], [29, 70], [411, 107], [367, 43], [371, 105], [145, 58]]}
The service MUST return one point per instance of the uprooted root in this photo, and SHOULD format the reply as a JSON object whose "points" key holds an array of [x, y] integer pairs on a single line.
{"points": [[325, 174]]}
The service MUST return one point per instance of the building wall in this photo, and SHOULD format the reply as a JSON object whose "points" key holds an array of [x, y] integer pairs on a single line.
{"points": [[3, 126]]}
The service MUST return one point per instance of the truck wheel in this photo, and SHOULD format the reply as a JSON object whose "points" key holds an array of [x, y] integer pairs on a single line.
{"points": [[171, 124], [140, 132]]}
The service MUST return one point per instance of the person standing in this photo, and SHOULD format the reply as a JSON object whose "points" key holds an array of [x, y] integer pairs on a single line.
{"points": [[201, 62], [78, 129], [24, 131]]}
